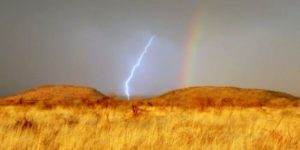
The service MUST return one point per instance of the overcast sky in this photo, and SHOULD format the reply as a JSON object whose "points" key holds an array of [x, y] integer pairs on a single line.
{"points": [[243, 43]]}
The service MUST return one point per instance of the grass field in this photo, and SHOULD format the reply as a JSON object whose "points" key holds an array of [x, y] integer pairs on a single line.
{"points": [[144, 124]]}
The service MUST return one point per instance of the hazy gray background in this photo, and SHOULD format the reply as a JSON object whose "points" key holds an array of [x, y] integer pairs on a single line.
{"points": [[246, 43]]}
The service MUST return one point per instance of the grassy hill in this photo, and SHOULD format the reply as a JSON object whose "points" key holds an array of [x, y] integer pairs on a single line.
{"points": [[69, 117]]}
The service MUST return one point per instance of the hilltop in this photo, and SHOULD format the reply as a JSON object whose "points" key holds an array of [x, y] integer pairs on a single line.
{"points": [[187, 97], [225, 96]]}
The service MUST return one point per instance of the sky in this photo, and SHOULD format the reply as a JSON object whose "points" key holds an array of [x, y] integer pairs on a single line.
{"points": [[95, 43]]}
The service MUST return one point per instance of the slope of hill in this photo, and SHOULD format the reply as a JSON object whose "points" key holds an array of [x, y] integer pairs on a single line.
{"points": [[52, 95]]}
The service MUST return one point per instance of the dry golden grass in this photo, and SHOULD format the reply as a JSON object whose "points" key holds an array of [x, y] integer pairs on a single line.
{"points": [[94, 121]]}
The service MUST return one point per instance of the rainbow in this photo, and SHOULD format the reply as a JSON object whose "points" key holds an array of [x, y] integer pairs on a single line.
{"points": [[191, 50]]}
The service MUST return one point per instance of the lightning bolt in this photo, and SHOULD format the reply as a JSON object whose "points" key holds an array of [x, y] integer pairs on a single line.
{"points": [[136, 66]]}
